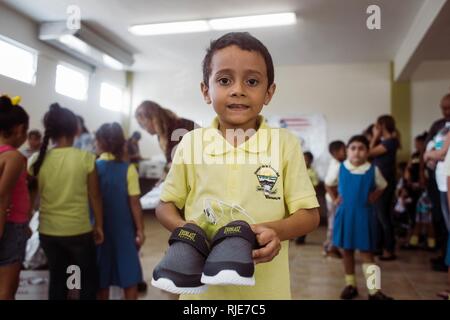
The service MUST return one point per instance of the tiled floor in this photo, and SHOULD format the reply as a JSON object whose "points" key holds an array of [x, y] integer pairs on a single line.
{"points": [[316, 277]]}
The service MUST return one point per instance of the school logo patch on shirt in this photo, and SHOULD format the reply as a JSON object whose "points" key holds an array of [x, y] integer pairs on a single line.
{"points": [[267, 177]]}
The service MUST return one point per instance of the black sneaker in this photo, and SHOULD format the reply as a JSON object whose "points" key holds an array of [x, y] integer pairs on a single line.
{"points": [[180, 270], [349, 293], [379, 296]]}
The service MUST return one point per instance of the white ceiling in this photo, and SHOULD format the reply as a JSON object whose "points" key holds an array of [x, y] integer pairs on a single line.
{"points": [[328, 31]]}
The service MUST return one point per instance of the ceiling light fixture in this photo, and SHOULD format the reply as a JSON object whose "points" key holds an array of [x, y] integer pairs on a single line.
{"points": [[247, 22]]}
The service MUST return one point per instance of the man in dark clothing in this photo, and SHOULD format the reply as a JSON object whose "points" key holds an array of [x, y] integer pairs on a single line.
{"points": [[438, 219]]}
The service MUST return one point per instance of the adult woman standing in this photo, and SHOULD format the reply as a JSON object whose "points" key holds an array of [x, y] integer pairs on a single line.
{"points": [[165, 124], [383, 150]]}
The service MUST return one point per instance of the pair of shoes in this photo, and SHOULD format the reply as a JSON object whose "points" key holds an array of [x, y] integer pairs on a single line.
{"points": [[349, 293], [191, 263], [380, 296], [390, 257]]}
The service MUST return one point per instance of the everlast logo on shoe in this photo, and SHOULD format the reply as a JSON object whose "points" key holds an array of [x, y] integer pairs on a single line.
{"points": [[229, 230], [187, 235]]}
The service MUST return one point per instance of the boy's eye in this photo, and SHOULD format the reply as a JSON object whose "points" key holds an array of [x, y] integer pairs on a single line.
{"points": [[252, 82], [224, 81]]}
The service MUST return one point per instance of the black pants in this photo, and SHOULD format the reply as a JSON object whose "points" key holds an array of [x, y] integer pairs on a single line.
{"points": [[63, 252], [385, 227]]}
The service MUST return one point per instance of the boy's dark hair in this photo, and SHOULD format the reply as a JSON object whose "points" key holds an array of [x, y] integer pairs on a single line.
{"points": [[359, 138], [111, 138], [58, 122], [335, 146], [34, 133], [309, 155], [422, 137], [11, 116], [243, 40]]}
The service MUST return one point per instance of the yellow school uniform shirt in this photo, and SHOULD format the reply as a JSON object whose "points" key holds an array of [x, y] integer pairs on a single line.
{"points": [[272, 184], [132, 175], [63, 190]]}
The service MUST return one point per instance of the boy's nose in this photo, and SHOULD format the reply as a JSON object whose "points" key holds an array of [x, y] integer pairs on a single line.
{"points": [[237, 90]]}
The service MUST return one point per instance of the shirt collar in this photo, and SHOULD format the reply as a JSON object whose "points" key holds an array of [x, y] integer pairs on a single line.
{"points": [[259, 142], [107, 156]]}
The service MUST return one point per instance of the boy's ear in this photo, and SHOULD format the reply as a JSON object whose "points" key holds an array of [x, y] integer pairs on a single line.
{"points": [[269, 94], [205, 91]]}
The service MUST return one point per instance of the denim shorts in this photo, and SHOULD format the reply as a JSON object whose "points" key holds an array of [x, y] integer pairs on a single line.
{"points": [[13, 243]]}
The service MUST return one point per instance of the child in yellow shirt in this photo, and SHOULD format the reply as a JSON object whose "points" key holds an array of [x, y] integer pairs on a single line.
{"points": [[240, 160]]}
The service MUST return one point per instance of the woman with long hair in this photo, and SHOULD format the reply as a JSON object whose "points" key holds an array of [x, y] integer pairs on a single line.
{"points": [[383, 150], [165, 124]]}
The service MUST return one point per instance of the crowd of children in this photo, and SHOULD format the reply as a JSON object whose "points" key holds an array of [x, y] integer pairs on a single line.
{"points": [[90, 215], [89, 210]]}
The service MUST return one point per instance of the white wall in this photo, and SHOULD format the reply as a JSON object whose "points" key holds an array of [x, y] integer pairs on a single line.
{"points": [[349, 96], [37, 98], [429, 83]]}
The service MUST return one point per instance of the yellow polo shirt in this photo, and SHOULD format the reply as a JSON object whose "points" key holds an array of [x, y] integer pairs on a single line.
{"points": [[63, 190], [266, 175]]}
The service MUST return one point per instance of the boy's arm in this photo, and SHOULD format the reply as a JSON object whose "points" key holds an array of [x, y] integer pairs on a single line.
{"points": [[169, 216], [95, 201], [138, 218], [270, 234]]}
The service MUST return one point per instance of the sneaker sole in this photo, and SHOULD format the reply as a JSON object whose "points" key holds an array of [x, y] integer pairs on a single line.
{"points": [[228, 277], [168, 285]]}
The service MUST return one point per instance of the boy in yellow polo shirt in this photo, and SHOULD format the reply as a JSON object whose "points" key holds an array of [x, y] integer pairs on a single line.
{"points": [[240, 160]]}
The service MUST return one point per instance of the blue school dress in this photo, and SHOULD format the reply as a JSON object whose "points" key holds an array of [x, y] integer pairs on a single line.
{"points": [[117, 256], [355, 220]]}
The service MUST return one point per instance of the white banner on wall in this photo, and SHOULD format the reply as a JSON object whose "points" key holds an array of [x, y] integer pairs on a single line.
{"points": [[311, 130]]}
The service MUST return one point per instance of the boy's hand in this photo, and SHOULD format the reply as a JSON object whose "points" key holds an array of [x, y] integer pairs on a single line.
{"points": [[98, 235], [140, 238], [268, 239]]}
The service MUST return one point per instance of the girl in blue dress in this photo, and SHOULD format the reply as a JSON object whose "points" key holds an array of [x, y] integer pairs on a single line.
{"points": [[118, 257], [357, 184]]}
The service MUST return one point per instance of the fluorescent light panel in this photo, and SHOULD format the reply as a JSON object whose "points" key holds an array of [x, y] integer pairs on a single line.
{"points": [[259, 21], [170, 28], [265, 20]]}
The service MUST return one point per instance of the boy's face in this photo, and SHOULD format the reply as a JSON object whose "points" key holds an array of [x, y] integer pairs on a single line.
{"points": [[237, 87], [357, 153], [341, 154], [34, 142]]}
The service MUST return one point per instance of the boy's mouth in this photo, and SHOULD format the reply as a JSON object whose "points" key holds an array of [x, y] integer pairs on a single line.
{"points": [[238, 107]]}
